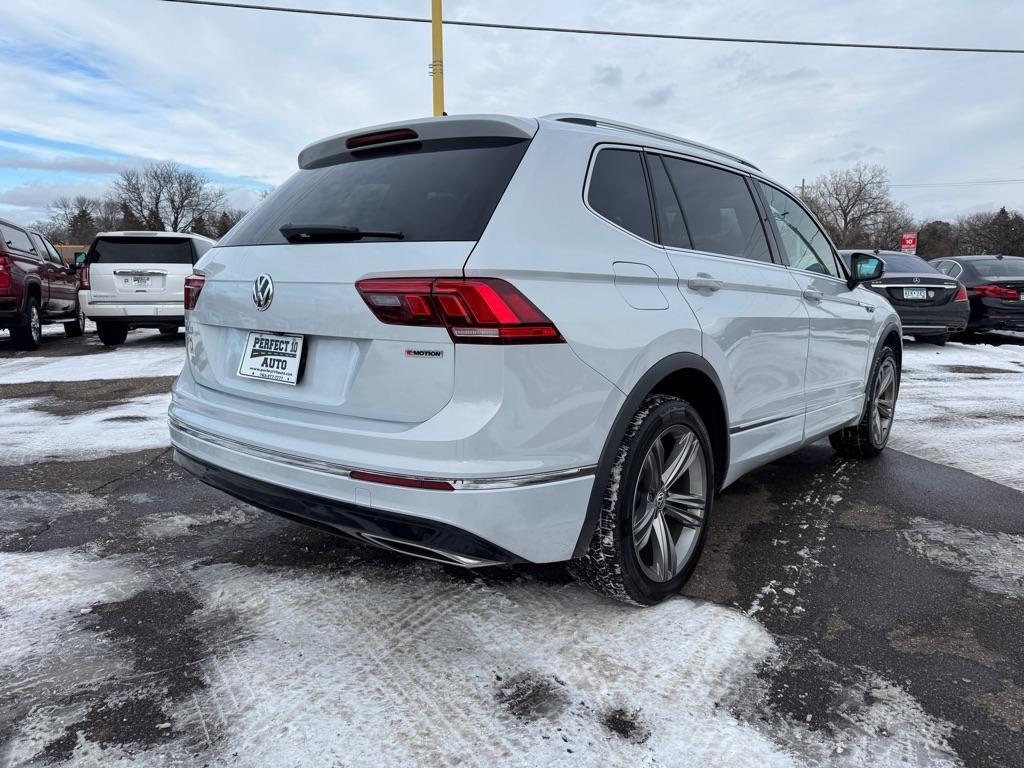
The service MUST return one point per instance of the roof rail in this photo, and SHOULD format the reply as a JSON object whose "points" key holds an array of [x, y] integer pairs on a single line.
{"points": [[600, 122]]}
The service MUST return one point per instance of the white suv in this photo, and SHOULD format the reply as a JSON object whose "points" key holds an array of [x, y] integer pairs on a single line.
{"points": [[489, 339], [137, 280]]}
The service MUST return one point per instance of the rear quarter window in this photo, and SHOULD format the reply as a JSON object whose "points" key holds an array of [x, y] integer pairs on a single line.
{"points": [[16, 238], [439, 190], [618, 191], [141, 250]]}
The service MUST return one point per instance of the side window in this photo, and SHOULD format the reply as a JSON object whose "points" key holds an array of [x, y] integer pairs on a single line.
{"points": [[671, 225], [16, 238], [54, 256], [955, 269], [945, 267], [806, 246], [720, 213], [618, 191], [201, 247]]}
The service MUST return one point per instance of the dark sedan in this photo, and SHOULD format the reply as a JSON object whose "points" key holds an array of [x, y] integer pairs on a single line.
{"points": [[931, 305], [995, 285]]}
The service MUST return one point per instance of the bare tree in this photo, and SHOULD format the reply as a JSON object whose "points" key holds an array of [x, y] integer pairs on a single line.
{"points": [[850, 202], [167, 196], [999, 231]]}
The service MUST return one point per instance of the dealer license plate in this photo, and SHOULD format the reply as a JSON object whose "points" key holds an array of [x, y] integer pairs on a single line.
{"points": [[272, 357], [915, 293]]}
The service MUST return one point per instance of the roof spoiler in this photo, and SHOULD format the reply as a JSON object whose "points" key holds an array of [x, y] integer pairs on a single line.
{"points": [[334, 149]]}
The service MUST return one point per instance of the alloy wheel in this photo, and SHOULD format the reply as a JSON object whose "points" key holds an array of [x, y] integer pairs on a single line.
{"points": [[884, 405], [669, 503], [35, 326]]}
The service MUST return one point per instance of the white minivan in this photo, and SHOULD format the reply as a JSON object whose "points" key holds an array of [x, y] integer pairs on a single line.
{"points": [[137, 280], [489, 339]]}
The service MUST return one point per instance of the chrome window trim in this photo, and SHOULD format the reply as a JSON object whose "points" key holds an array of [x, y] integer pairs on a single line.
{"points": [[342, 470]]}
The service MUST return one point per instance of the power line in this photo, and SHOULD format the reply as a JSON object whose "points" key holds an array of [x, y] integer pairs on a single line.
{"points": [[938, 184], [596, 32]]}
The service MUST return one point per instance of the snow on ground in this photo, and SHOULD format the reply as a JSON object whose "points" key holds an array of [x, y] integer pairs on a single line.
{"points": [[963, 406], [124, 362], [32, 435], [993, 560]]}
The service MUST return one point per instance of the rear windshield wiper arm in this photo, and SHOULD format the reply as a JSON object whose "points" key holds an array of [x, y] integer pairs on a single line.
{"points": [[330, 233]]}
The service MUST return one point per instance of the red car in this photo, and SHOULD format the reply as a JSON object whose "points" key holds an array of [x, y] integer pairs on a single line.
{"points": [[36, 287]]}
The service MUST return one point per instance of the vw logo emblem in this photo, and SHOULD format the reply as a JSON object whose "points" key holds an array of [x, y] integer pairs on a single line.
{"points": [[262, 292]]}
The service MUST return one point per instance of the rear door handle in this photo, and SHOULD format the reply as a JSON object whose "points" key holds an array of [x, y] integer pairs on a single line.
{"points": [[813, 295], [704, 283]]}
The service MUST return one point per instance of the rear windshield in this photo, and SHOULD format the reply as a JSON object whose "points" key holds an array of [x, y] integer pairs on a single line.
{"points": [[903, 262], [438, 190], [141, 250], [994, 268]]}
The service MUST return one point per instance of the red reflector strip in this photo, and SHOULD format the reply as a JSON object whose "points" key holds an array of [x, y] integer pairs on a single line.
{"points": [[384, 137], [404, 482]]}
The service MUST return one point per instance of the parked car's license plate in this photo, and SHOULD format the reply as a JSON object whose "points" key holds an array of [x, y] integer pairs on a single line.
{"points": [[915, 293], [272, 357], [137, 281]]}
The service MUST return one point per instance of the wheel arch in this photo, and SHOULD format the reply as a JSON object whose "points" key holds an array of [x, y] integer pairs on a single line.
{"points": [[684, 375], [33, 287], [891, 337]]}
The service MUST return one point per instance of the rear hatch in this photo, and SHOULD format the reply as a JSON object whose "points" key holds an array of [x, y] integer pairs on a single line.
{"points": [[139, 269], [407, 208]]}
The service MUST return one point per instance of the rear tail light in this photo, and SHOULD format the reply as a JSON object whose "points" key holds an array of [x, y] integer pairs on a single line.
{"points": [[997, 292], [480, 310], [83, 278], [961, 293], [193, 287], [5, 275], [403, 482]]}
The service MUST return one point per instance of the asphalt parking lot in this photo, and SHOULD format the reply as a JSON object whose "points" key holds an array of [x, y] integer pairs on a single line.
{"points": [[843, 614]]}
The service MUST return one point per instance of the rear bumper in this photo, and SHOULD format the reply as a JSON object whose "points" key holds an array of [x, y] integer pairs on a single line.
{"points": [[937, 320], [534, 518], [139, 314], [410, 535], [993, 320]]}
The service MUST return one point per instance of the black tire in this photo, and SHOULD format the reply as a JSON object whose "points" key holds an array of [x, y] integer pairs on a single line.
{"points": [[168, 331], [76, 327], [614, 565], [28, 335], [938, 339], [111, 334], [861, 441]]}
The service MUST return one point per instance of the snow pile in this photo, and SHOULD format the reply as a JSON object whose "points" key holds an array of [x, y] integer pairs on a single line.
{"points": [[31, 435], [993, 560], [963, 406], [124, 362]]}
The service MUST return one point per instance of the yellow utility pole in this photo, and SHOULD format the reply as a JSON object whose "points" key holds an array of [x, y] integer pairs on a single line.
{"points": [[437, 63]]}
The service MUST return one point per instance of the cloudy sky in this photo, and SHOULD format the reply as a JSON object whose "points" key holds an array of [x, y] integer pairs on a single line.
{"points": [[88, 87]]}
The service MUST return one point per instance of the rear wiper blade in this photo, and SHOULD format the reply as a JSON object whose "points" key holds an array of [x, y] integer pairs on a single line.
{"points": [[329, 233]]}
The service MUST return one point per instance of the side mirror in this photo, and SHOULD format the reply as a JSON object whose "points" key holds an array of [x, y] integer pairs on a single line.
{"points": [[864, 267], [79, 259]]}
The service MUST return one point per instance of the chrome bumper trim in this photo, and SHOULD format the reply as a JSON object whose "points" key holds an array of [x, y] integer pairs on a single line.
{"points": [[341, 470]]}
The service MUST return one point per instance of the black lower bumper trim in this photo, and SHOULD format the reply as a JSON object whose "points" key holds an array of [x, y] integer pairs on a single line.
{"points": [[425, 538], [142, 321]]}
